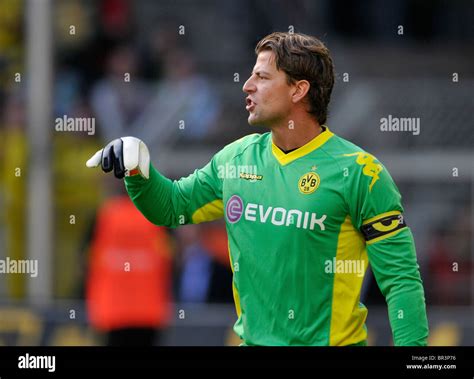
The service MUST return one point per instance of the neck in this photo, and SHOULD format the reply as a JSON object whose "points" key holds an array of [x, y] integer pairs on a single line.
{"points": [[292, 136]]}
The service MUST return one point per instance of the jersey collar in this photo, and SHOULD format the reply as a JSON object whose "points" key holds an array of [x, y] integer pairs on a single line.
{"points": [[314, 144]]}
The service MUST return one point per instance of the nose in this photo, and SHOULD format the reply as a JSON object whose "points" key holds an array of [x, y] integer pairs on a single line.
{"points": [[249, 86]]}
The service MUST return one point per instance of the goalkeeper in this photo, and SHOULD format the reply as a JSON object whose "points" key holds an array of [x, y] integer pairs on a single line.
{"points": [[305, 214]]}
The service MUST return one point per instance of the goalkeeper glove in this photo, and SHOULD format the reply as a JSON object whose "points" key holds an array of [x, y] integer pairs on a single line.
{"points": [[128, 156]]}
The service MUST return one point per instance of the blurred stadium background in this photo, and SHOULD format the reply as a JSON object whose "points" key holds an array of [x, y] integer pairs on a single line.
{"points": [[186, 63]]}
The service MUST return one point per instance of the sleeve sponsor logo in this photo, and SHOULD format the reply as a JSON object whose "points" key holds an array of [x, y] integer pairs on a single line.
{"points": [[370, 167]]}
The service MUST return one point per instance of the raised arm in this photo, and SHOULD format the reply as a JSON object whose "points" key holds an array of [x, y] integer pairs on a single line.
{"points": [[193, 199]]}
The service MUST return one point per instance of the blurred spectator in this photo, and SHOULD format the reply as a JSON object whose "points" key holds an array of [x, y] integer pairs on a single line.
{"points": [[128, 289], [73, 205], [73, 26], [196, 267], [116, 18], [184, 106], [214, 240], [67, 90], [13, 158], [159, 42], [206, 276], [11, 40], [450, 263], [121, 96]]}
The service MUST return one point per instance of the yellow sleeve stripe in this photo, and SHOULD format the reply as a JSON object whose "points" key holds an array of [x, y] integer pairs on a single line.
{"points": [[235, 291], [209, 212]]}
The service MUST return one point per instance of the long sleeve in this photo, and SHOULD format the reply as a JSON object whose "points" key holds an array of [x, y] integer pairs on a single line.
{"points": [[393, 262], [193, 199], [376, 210]]}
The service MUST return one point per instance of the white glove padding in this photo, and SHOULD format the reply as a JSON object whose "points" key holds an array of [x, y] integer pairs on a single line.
{"points": [[128, 156]]}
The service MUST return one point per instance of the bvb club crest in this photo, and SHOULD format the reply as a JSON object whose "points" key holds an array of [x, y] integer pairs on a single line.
{"points": [[309, 183]]}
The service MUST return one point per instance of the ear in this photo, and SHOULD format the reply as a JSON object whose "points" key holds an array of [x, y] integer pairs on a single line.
{"points": [[301, 88]]}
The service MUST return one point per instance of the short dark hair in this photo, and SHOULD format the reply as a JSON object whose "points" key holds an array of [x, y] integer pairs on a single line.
{"points": [[303, 57]]}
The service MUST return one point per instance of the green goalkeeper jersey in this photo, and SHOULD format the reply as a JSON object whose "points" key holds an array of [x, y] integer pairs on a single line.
{"points": [[302, 228]]}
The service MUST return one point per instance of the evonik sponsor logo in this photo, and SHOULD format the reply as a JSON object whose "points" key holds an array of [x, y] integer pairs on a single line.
{"points": [[278, 216]]}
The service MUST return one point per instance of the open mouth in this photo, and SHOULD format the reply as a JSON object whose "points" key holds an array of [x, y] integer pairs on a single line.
{"points": [[250, 104]]}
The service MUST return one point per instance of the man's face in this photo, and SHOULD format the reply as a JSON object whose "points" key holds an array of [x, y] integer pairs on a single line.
{"points": [[269, 97]]}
